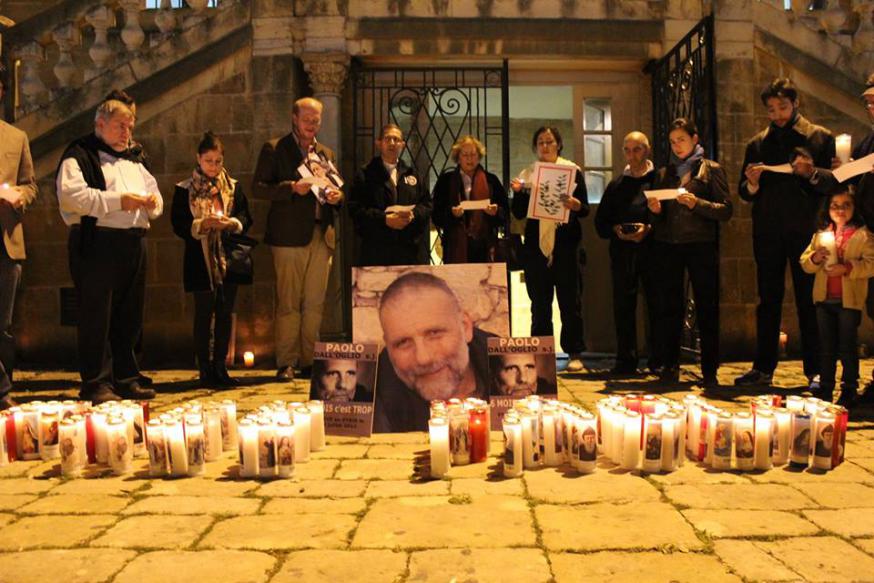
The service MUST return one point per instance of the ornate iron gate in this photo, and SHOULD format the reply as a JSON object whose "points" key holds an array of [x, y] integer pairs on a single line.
{"points": [[684, 85], [433, 107]]}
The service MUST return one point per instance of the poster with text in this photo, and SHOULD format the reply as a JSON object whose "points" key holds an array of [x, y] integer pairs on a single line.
{"points": [[520, 367], [344, 377]]}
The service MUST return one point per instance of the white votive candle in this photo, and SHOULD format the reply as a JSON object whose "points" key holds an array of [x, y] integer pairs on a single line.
{"points": [[70, 450], [317, 425], [212, 433], [824, 434], [783, 420], [551, 447], [513, 448], [48, 434], [194, 443], [284, 449], [843, 147], [744, 441], [266, 448], [302, 421], [530, 440], [652, 444], [438, 434], [723, 441], [248, 436], [587, 446], [229, 425], [121, 453], [670, 441], [177, 451], [631, 441], [157, 446]]}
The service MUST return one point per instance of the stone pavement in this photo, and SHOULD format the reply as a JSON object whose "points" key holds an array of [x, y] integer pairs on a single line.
{"points": [[360, 511]]}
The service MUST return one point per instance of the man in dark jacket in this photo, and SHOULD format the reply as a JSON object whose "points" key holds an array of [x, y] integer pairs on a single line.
{"points": [[784, 213], [300, 232], [623, 219], [391, 207]]}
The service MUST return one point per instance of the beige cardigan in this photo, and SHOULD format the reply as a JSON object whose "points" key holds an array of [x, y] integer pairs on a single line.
{"points": [[860, 253]]}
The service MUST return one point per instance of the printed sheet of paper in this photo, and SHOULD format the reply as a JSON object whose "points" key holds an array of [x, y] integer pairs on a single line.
{"points": [[664, 193], [781, 169], [10, 194], [322, 173], [854, 168], [551, 185], [475, 205], [400, 208], [344, 377]]}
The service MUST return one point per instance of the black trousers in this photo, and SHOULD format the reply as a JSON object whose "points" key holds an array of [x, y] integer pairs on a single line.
{"points": [[110, 279], [630, 266], [838, 335], [212, 324], [701, 261], [771, 255], [564, 278]]}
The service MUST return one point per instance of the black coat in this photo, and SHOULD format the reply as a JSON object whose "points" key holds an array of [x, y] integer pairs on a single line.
{"points": [[786, 202], [372, 193], [194, 274], [623, 202], [567, 235], [865, 183]]}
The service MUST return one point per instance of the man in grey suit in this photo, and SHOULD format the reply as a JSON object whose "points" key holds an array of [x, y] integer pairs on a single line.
{"points": [[17, 191]]}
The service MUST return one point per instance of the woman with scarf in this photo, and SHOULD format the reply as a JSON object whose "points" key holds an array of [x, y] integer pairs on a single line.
{"points": [[552, 252], [206, 207], [469, 236], [686, 239]]}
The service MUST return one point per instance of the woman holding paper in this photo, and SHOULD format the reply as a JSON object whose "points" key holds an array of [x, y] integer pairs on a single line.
{"points": [[207, 207], [552, 256], [470, 205], [841, 257], [686, 236]]}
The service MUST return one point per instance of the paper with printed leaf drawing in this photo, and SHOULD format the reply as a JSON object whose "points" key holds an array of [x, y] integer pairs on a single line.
{"points": [[551, 185]]}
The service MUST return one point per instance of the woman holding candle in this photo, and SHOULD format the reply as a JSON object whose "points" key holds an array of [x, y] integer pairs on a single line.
{"points": [[552, 255], [686, 239], [841, 257], [469, 235], [207, 208]]}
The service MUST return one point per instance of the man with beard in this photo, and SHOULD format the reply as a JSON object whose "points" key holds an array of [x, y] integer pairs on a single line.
{"points": [[338, 383], [515, 376], [432, 351]]}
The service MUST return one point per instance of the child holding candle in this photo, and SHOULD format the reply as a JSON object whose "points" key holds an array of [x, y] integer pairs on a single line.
{"points": [[839, 289]]}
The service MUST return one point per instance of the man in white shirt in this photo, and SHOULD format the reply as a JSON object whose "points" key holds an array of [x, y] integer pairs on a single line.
{"points": [[106, 196]]}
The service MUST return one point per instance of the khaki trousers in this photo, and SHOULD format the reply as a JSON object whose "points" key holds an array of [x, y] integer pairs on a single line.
{"points": [[301, 280]]}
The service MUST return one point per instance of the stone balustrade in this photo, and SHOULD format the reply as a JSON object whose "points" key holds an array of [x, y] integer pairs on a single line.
{"points": [[847, 22], [77, 43]]}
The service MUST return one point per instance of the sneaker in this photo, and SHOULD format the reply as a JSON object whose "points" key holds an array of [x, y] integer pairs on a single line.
{"points": [[753, 377], [285, 373], [574, 365]]}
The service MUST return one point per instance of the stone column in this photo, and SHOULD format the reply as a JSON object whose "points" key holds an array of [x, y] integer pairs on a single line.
{"points": [[327, 73]]}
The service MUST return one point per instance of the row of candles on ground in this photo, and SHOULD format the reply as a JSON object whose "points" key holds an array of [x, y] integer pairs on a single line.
{"points": [[177, 443]]}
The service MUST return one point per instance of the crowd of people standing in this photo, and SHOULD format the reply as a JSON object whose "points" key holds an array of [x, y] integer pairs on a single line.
{"points": [[108, 197]]}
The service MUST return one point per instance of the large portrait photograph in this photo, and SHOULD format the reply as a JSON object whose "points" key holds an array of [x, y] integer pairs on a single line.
{"points": [[433, 324]]}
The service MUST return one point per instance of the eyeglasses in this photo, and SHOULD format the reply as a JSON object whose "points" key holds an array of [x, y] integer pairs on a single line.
{"points": [[546, 143], [840, 207], [393, 140]]}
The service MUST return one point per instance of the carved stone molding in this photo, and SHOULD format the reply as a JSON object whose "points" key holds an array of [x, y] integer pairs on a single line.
{"points": [[327, 72]]}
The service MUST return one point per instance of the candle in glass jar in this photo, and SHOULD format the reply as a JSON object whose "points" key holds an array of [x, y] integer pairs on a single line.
{"points": [[712, 415], [512, 459], [28, 438], [157, 446], [72, 457], [479, 435], [101, 441], [530, 440], [177, 452], [652, 444], [229, 425], [302, 424], [693, 431], [824, 433], [744, 441], [194, 441], [212, 433], [138, 424], [459, 437], [763, 458], [266, 448], [121, 452], [799, 448], [249, 359], [438, 433], [723, 441], [631, 441], [48, 434], [587, 446], [317, 425], [843, 147], [842, 416], [670, 441], [9, 428], [551, 456], [284, 449], [4, 450], [782, 420], [248, 444], [827, 239]]}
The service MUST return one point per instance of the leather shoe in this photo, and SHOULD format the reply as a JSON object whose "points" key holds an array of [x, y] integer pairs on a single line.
{"points": [[145, 381], [305, 372], [222, 378], [101, 394], [285, 373], [136, 392], [6, 402]]}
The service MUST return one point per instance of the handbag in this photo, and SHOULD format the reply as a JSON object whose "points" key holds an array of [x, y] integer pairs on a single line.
{"points": [[238, 256]]}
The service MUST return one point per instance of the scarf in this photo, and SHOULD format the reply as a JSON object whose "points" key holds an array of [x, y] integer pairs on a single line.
{"points": [[473, 224], [684, 167], [204, 194], [649, 168], [547, 228]]}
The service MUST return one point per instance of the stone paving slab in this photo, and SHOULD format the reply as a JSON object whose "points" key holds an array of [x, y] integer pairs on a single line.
{"points": [[398, 451], [370, 566], [866, 544], [693, 473], [313, 488], [786, 475], [194, 505], [76, 504], [280, 532], [110, 485], [421, 522], [480, 565], [847, 522], [480, 487], [13, 501], [341, 451], [6, 519], [375, 469], [398, 488], [154, 532], [862, 448], [651, 567], [741, 496], [199, 487], [315, 469], [566, 486], [26, 486], [643, 525], [69, 566], [314, 506], [190, 567], [33, 532], [823, 558], [752, 563], [16, 469], [749, 523], [864, 463], [840, 495]]}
